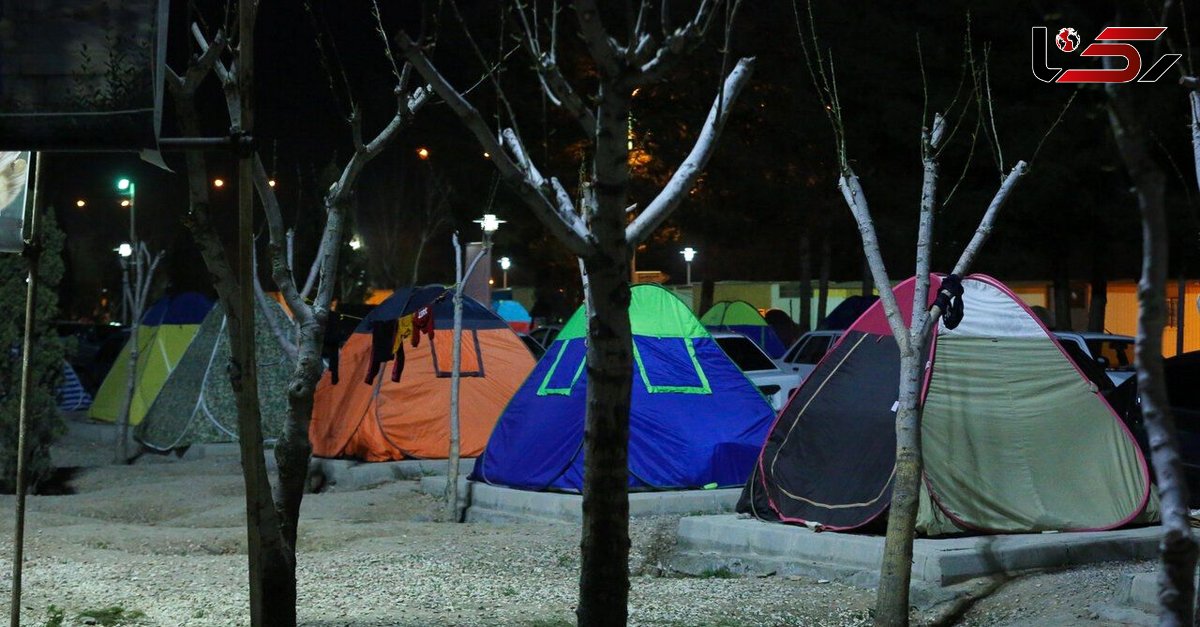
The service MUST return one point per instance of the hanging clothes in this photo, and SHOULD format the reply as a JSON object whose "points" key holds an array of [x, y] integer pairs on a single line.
{"points": [[422, 323], [383, 339], [331, 345], [404, 330]]}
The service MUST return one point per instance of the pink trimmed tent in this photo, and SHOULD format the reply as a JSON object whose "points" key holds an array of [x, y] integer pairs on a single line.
{"points": [[1015, 437]]}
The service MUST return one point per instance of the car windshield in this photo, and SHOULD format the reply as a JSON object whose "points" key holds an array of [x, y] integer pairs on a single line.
{"points": [[809, 351], [746, 354], [1117, 352]]}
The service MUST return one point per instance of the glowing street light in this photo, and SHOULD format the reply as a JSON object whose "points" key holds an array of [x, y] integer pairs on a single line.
{"points": [[355, 243], [124, 184], [81, 203], [505, 264], [423, 153], [490, 224], [125, 202], [218, 183], [271, 182], [125, 250], [689, 254]]}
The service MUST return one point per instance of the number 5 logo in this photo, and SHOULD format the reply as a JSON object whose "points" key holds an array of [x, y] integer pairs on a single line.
{"points": [[1133, 59]]}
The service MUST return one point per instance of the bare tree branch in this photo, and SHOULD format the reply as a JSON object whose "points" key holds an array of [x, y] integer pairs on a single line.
{"points": [[554, 84], [856, 200], [603, 48], [288, 346], [560, 220], [676, 45], [930, 142], [689, 171]]}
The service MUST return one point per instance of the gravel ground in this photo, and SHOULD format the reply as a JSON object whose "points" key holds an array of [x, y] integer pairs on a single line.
{"points": [[166, 539]]}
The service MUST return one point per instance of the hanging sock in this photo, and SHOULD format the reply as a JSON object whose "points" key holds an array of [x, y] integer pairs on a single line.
{"points": [[398, 367], [383, 337], [949, 300], [331, 346], [422, 323]]}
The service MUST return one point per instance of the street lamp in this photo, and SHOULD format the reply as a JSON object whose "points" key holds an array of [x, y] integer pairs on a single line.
{"points": [[490, 224], [355, 243], [505, 264], [689, 254], [81, 203], [126, 185], [125, 251]]}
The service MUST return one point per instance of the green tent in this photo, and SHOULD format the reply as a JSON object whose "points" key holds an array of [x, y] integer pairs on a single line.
{"points": [[740, 316]]}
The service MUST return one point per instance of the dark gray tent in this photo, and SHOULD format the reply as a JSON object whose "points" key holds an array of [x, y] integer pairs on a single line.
{"points": [[197, 404]]}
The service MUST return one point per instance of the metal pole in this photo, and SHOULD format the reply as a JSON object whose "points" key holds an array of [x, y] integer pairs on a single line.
{"points": [[1180, 311], [689, 273], [33, 250], [125, 294], [506, 279]]}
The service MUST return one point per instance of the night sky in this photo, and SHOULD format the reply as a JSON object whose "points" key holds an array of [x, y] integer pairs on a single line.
{"points": [[773, 177]]}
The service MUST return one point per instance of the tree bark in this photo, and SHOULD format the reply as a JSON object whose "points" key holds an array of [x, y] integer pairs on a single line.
{"points": [[891, 604], [604, 547], [604, 563], [1062, 294], [823, 281], [1098, 302], [1176, 595], [868, 283], [805, 283]]}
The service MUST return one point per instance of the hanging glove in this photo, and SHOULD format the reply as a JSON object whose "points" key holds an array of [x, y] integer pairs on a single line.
{"points": [[949, 300]]}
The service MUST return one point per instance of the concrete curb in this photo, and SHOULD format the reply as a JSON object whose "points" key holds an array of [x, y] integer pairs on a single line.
{"points": [[495, 504], [744, 546], [353, 475]]}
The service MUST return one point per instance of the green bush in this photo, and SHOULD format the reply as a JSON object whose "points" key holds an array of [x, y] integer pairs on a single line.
{"points": [[44, 423]]}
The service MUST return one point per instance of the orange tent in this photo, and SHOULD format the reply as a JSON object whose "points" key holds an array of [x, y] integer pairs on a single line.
{"points": [[387, 420]]}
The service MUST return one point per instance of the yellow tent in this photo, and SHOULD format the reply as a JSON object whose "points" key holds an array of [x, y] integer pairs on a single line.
{"points": [[165, 333]]}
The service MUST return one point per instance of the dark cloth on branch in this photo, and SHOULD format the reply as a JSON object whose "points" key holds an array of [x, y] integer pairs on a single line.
{"points": [[331, 346], [383, 338], [949, 300]]}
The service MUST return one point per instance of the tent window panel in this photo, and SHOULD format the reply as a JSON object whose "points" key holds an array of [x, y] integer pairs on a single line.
{"points": [[564, 373], [669, 365], [443, 353]]}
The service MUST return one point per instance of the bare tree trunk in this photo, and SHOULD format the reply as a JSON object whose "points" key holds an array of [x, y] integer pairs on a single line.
{"points": [[416, 267], [1097, 304], [1062, 295], [122, 444], [707, 288], [823, 281], [604, 563], [805, 283], [1176, 580], [891, 604], [868, 283]]}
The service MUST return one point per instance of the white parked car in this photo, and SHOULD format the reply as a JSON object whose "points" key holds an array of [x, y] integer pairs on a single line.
{"points": [[775, 384], [803, 355], [1112, 352]]}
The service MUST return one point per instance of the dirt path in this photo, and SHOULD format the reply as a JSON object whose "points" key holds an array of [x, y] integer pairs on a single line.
{"points": [[166, 539]]}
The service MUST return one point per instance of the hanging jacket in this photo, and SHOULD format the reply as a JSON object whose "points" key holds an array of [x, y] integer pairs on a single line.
{"points": [[422, 323], [331, 346], [383, 339]]}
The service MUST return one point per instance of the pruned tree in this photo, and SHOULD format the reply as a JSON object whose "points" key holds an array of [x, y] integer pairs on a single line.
{"points": [[273, 514], [144, 266], [912, 335], [656, 45]]}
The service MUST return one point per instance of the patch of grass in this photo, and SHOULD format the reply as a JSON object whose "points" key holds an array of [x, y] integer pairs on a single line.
{"points": [[113, 616], [717, 573], [565, 559], [55, 616], [198, 614], [509, 592]]}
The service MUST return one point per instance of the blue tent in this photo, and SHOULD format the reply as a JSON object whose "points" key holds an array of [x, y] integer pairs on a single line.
{"points": [[695, 420], [513, 313]]}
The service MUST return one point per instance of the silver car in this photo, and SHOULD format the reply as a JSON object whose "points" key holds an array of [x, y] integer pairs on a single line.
{"points": [[774, 383]]}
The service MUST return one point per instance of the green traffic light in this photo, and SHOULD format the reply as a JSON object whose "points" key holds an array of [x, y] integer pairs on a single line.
{"points": [[123, 184]]}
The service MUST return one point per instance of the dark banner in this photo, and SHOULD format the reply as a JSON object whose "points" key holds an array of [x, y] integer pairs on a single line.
{"points": [[81, 74]]}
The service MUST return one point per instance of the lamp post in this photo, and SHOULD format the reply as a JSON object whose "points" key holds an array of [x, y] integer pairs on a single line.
{"points": [[126, 185], [125, 251], [689, 254], [505, 264]]}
